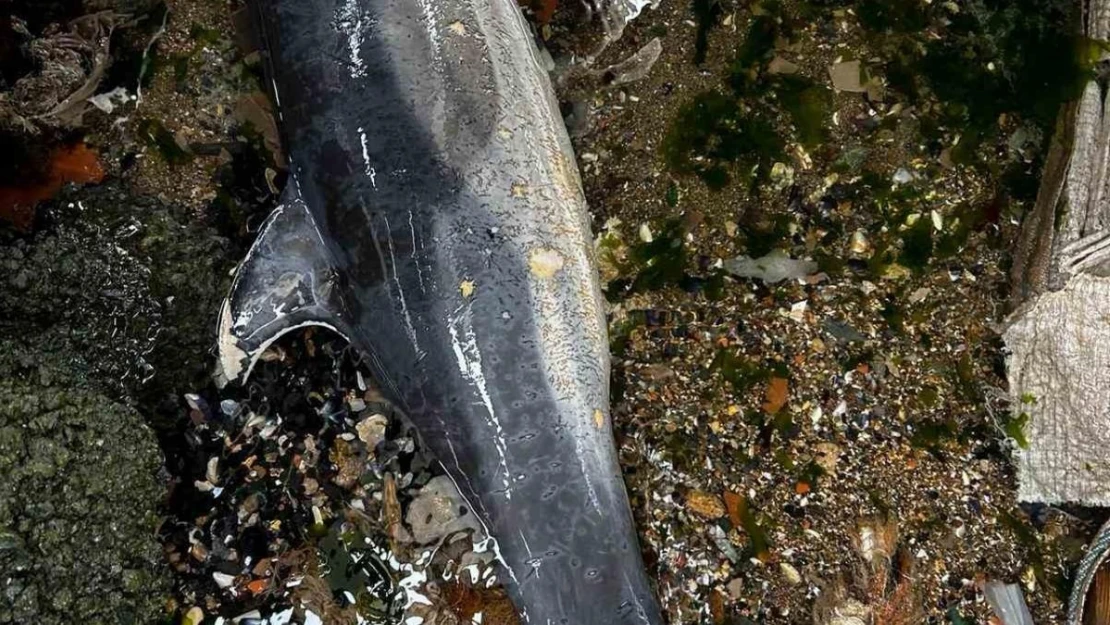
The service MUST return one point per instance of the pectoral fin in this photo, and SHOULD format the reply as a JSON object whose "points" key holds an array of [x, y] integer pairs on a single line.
{"points": [[287, 281]]}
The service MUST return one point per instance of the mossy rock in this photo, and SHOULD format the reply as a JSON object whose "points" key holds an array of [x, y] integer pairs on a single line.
{"points": [[79, 492], [124, 290]]}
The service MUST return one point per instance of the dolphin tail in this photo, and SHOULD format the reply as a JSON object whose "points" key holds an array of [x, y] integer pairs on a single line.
{"points": [[287, 281]]}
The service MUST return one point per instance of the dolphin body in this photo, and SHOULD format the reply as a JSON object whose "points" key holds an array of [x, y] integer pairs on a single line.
{"points": [[435, 218]]}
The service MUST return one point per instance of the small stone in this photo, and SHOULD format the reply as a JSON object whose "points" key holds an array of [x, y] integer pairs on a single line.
{"points": [[311, 486], [735, 589], [705, 505], [782, 176], [371, 430], [779, 65], [212, 472], [798, 310], [347, 463], [902, 176], [793, 577], [846, 77], [199, 552], [859, 245], [230, 408], [194, 616], [827, 457], [223, 580]]}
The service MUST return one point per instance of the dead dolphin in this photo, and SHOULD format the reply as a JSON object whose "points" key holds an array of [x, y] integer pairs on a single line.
{"points": [[435, 218]]}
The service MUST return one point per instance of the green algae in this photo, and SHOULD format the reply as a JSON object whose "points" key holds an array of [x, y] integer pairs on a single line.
{"points": [[742, 374], [719, 136], [657, 263], [808, 105], [706, 15], [992, 58], [163, 141], [917, 245], [711, 137]]}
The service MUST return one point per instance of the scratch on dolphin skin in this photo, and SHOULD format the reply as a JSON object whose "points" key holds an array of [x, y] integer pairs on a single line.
{"points": [[533, 561], [409, 328], [419, 271], [370, 171], [427, 7], [469, 359], [350, 23]]}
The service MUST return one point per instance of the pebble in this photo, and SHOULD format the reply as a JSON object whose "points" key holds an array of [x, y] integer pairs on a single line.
{"points": [[705, 505], [793, 577]]}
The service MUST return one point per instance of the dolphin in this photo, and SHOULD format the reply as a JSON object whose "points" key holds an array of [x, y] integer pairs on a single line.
{"points": [[434, 217]]}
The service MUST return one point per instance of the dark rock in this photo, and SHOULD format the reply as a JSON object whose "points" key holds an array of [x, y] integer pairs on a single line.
{"points": [[79, 492]]}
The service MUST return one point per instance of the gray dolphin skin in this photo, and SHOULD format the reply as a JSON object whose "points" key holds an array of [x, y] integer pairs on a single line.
{"points": [[434, 217]]}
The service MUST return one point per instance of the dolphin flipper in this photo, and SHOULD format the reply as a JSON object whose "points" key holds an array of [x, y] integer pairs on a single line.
{"points": [[287, 281]]}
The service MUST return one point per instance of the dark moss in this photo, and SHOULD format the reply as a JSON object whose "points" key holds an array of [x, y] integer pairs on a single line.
{"points": [[900, 16], [917, 244], [763, 236], [706, 15], [621, 333], [713, 127], [934, 435], [1018, 58], [742, 374], [162, 140], [810, 473], [928, 397], [203, 35], [660, 262], [78, 504], [746, 73], [672, 195], [851, 160], [1025, 536], [955, 236], [808, 105], [759, 543]]}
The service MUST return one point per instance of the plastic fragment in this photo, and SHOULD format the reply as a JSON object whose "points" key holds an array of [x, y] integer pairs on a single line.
{"points": [[1008, 603], [772, 268]]}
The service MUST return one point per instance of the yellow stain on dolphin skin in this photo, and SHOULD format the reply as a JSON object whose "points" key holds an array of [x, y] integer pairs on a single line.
{"points": [[519, 189], [466, 287], [599, 419], [545, 262], [457, 27]]}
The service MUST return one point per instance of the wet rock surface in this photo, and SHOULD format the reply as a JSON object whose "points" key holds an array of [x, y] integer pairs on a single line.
{"points": [[80, 486]]}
